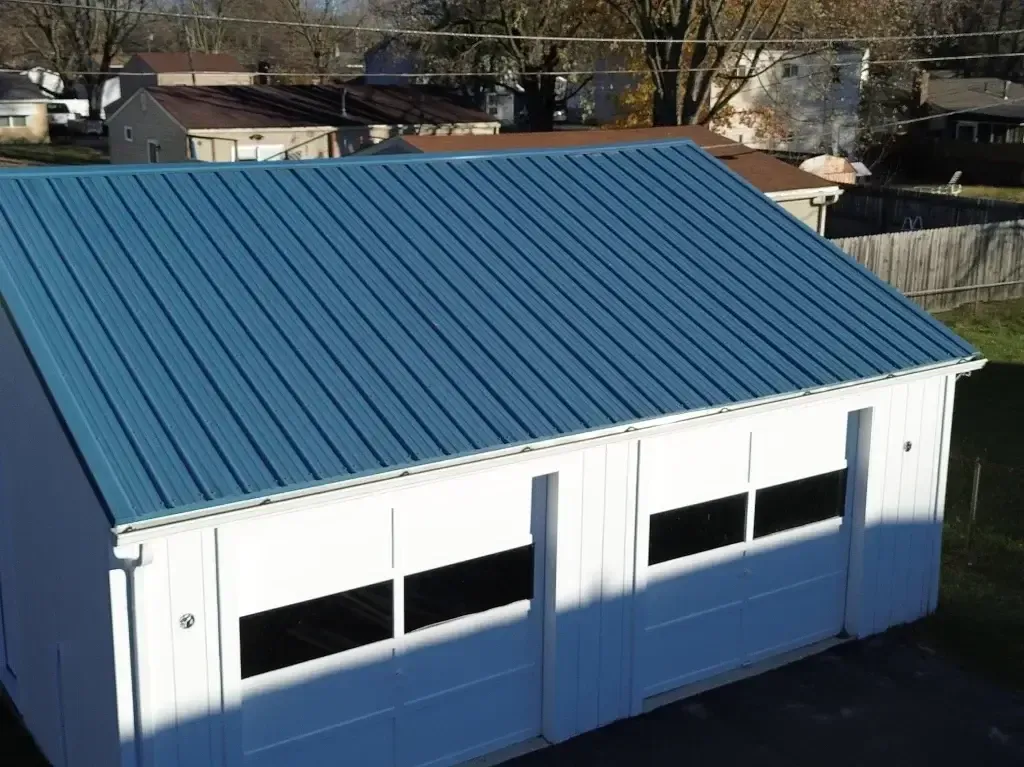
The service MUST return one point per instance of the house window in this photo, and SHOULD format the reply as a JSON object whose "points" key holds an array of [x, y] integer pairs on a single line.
{"points": [[790, 70], [741, 72], [153, 148], [799, 503], [13, 121], [693, 529], [967, 131], [491, 104], [316, 628], [837, 74], [129, 134], [469, 587]]}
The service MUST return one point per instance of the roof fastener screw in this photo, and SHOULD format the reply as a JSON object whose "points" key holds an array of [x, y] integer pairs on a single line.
{"points": [[187, 621]]}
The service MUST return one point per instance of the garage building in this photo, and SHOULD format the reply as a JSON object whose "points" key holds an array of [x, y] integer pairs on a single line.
{"points": [[406, 460]]}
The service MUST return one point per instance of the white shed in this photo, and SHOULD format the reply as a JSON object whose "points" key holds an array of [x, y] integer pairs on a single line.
{"points": [[405, 460]]}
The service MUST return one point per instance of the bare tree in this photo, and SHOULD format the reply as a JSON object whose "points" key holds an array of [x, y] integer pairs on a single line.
{"points": [[206, 31], [81, 36], [682, 75], [514, 56], [319, 41]]}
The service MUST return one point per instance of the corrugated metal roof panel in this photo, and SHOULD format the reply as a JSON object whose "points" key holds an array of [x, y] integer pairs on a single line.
{"points": [[219, 332]]}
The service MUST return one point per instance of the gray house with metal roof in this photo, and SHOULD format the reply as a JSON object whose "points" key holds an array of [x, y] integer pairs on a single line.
{"points": [[407, 460]]}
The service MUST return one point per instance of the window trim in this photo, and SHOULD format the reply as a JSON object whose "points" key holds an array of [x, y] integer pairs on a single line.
{"points": [[152, 143], [129, 133]]}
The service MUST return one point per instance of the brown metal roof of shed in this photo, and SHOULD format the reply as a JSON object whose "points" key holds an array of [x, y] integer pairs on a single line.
{"points": [[762, 170], [293, 106]]}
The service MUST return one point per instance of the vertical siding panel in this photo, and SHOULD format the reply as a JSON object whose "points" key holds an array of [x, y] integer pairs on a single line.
{"points": [[562, 603], [866, 595], [190, 579], [902, 520], [885, 538], [613, 609], [156, 678], [859, 473], [629, 587], [591, 565], [946, 429], [924, 500]]}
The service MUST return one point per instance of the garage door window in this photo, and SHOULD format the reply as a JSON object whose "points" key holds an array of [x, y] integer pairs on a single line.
{"points": [[473, 586], [803, 502], [693, 529], [316, 628]]}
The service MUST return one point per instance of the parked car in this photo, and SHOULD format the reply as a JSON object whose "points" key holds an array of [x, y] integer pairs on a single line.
{"points": [[58, 114]]}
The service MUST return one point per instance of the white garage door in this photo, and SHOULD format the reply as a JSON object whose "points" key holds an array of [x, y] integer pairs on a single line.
{"points": [[402, 632], [743, 546]]}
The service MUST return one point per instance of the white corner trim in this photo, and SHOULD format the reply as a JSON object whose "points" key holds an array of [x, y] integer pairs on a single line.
{"points": [[399, 478]]}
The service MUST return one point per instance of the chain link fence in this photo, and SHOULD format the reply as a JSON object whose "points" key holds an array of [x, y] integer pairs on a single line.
{"points": [[984, 498]]}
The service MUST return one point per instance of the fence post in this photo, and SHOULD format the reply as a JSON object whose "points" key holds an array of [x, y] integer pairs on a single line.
{"points": [[974, 502]]}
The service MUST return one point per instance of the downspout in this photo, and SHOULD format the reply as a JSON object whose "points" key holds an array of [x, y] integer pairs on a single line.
{"points": [[821, 203], [128, 559]]}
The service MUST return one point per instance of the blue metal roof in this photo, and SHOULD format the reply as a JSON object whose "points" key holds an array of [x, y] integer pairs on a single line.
{"points": [[212, 333]]}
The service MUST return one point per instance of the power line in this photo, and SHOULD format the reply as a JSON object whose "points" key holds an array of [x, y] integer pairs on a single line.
{"points": [[890, 125], [824, 41], [564, 72]]}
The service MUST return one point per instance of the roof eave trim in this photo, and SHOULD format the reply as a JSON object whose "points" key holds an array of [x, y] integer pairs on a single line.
{"points": [[132, 533]]}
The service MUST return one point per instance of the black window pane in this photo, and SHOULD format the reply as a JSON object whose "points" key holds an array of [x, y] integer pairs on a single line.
{"points": [[794, 504], [693, 529], [468, 587], [306, 630]]}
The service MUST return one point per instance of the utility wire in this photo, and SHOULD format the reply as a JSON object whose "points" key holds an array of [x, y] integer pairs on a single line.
{"points": [[885, 126], [537, 38], [569, 72]]}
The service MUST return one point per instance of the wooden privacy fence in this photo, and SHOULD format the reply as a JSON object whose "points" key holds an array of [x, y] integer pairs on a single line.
{"points": [[945, 268]]}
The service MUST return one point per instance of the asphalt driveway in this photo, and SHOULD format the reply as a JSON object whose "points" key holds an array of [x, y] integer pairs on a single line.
{"points": [[884, 702]]}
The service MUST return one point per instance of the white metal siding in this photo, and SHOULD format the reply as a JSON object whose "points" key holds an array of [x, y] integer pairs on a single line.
{"points": [[54, 575], [590, 602]]}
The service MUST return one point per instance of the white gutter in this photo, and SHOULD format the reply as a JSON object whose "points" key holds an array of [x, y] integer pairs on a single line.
{"points": [[396, 479], [806, 194]]}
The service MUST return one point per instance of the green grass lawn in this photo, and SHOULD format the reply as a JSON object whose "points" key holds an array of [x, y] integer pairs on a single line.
{"points": [[1009, 193], [980, 619], [53, 154]]}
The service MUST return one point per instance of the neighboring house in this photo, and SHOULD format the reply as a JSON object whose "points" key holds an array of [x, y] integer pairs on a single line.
{"points": [[23, 115], [147, 69], [391, 62], [804, 195], [806, 103], [277, 122], [996, 107], [976, 130], [405, 460], [394, 63]]}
